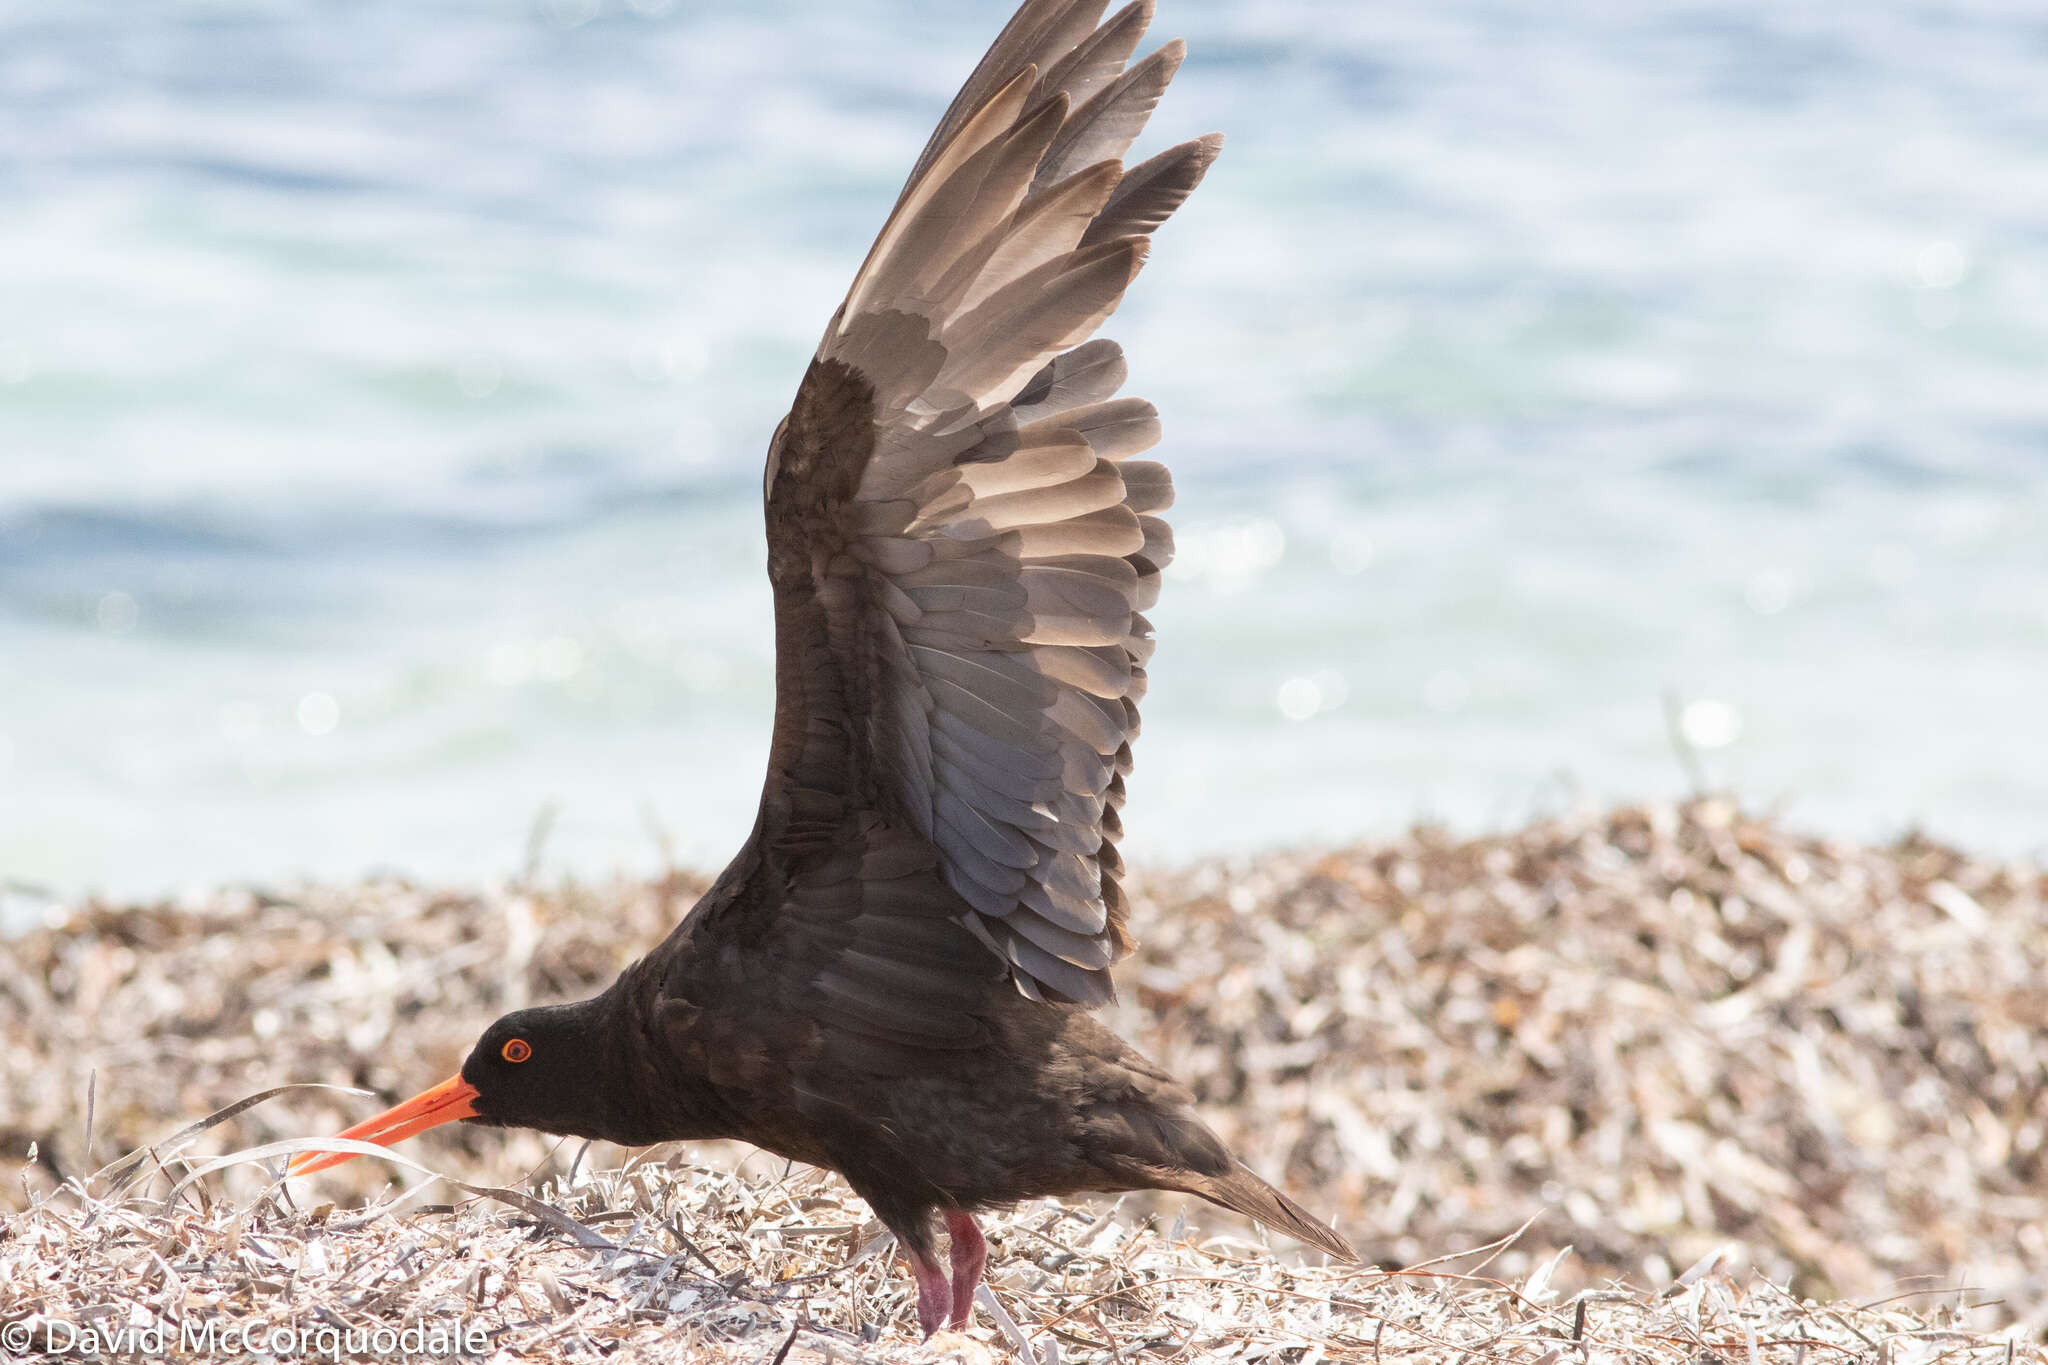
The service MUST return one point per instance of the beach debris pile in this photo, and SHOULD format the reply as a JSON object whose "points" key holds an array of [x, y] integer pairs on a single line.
{"points": [[664, 1262], [1663, 1037], [1649, 1033]]}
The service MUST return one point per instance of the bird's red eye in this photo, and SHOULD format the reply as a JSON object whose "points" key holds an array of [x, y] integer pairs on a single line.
{"points": [[515, 1050]]}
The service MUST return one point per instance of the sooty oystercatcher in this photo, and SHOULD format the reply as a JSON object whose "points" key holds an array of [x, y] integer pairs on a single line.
{"points": [[893, 977]]}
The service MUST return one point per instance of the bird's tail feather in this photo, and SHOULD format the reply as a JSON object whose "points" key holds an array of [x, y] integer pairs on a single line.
{"points": [[1245, 1193]]}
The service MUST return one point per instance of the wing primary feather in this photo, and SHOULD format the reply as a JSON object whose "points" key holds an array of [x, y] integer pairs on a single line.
{"points": [[1020, 43], [1099, 58], [987, 122], [1104, 128], [1150, 192]]}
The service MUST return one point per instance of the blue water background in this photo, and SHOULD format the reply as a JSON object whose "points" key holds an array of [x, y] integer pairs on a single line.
{"points": [[383, 387]]}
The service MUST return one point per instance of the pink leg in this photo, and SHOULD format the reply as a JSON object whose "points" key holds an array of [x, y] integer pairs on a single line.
{"points": [[934, 1295], [970, 1254]]}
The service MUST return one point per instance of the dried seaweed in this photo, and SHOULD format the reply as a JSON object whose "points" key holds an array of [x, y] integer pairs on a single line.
{"points": [[1650, 1033], [711, 1265], [1662, 1038]]}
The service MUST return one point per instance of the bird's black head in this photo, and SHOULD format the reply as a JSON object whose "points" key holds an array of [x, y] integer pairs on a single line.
{"points": [[559, 1068], [553, 1068]]}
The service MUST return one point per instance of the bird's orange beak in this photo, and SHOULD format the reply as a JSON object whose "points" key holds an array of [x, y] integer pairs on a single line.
{"points": [[452, 1099]]}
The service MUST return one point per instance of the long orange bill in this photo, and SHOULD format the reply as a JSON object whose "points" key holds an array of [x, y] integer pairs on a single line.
{"points": [[452, 1099]]}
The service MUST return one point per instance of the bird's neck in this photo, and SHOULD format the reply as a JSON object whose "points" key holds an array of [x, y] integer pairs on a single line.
{"points": [[650, 1092]]}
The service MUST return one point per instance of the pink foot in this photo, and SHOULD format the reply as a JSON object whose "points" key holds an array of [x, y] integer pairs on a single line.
{"points": [[970, 1254], [934, 1294]]}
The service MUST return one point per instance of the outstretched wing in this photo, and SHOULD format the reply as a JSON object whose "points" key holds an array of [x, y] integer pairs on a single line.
{"points": [[960, 539]]}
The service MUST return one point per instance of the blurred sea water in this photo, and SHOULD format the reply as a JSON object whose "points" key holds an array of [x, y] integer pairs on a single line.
{"points": [[383, 389]]}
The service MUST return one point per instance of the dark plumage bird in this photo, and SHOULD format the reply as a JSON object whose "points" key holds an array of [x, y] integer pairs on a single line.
{"points": [[893, 978]]}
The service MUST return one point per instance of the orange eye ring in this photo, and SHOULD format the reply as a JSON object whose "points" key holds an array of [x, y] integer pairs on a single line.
{"points": [[515, 1050]]}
